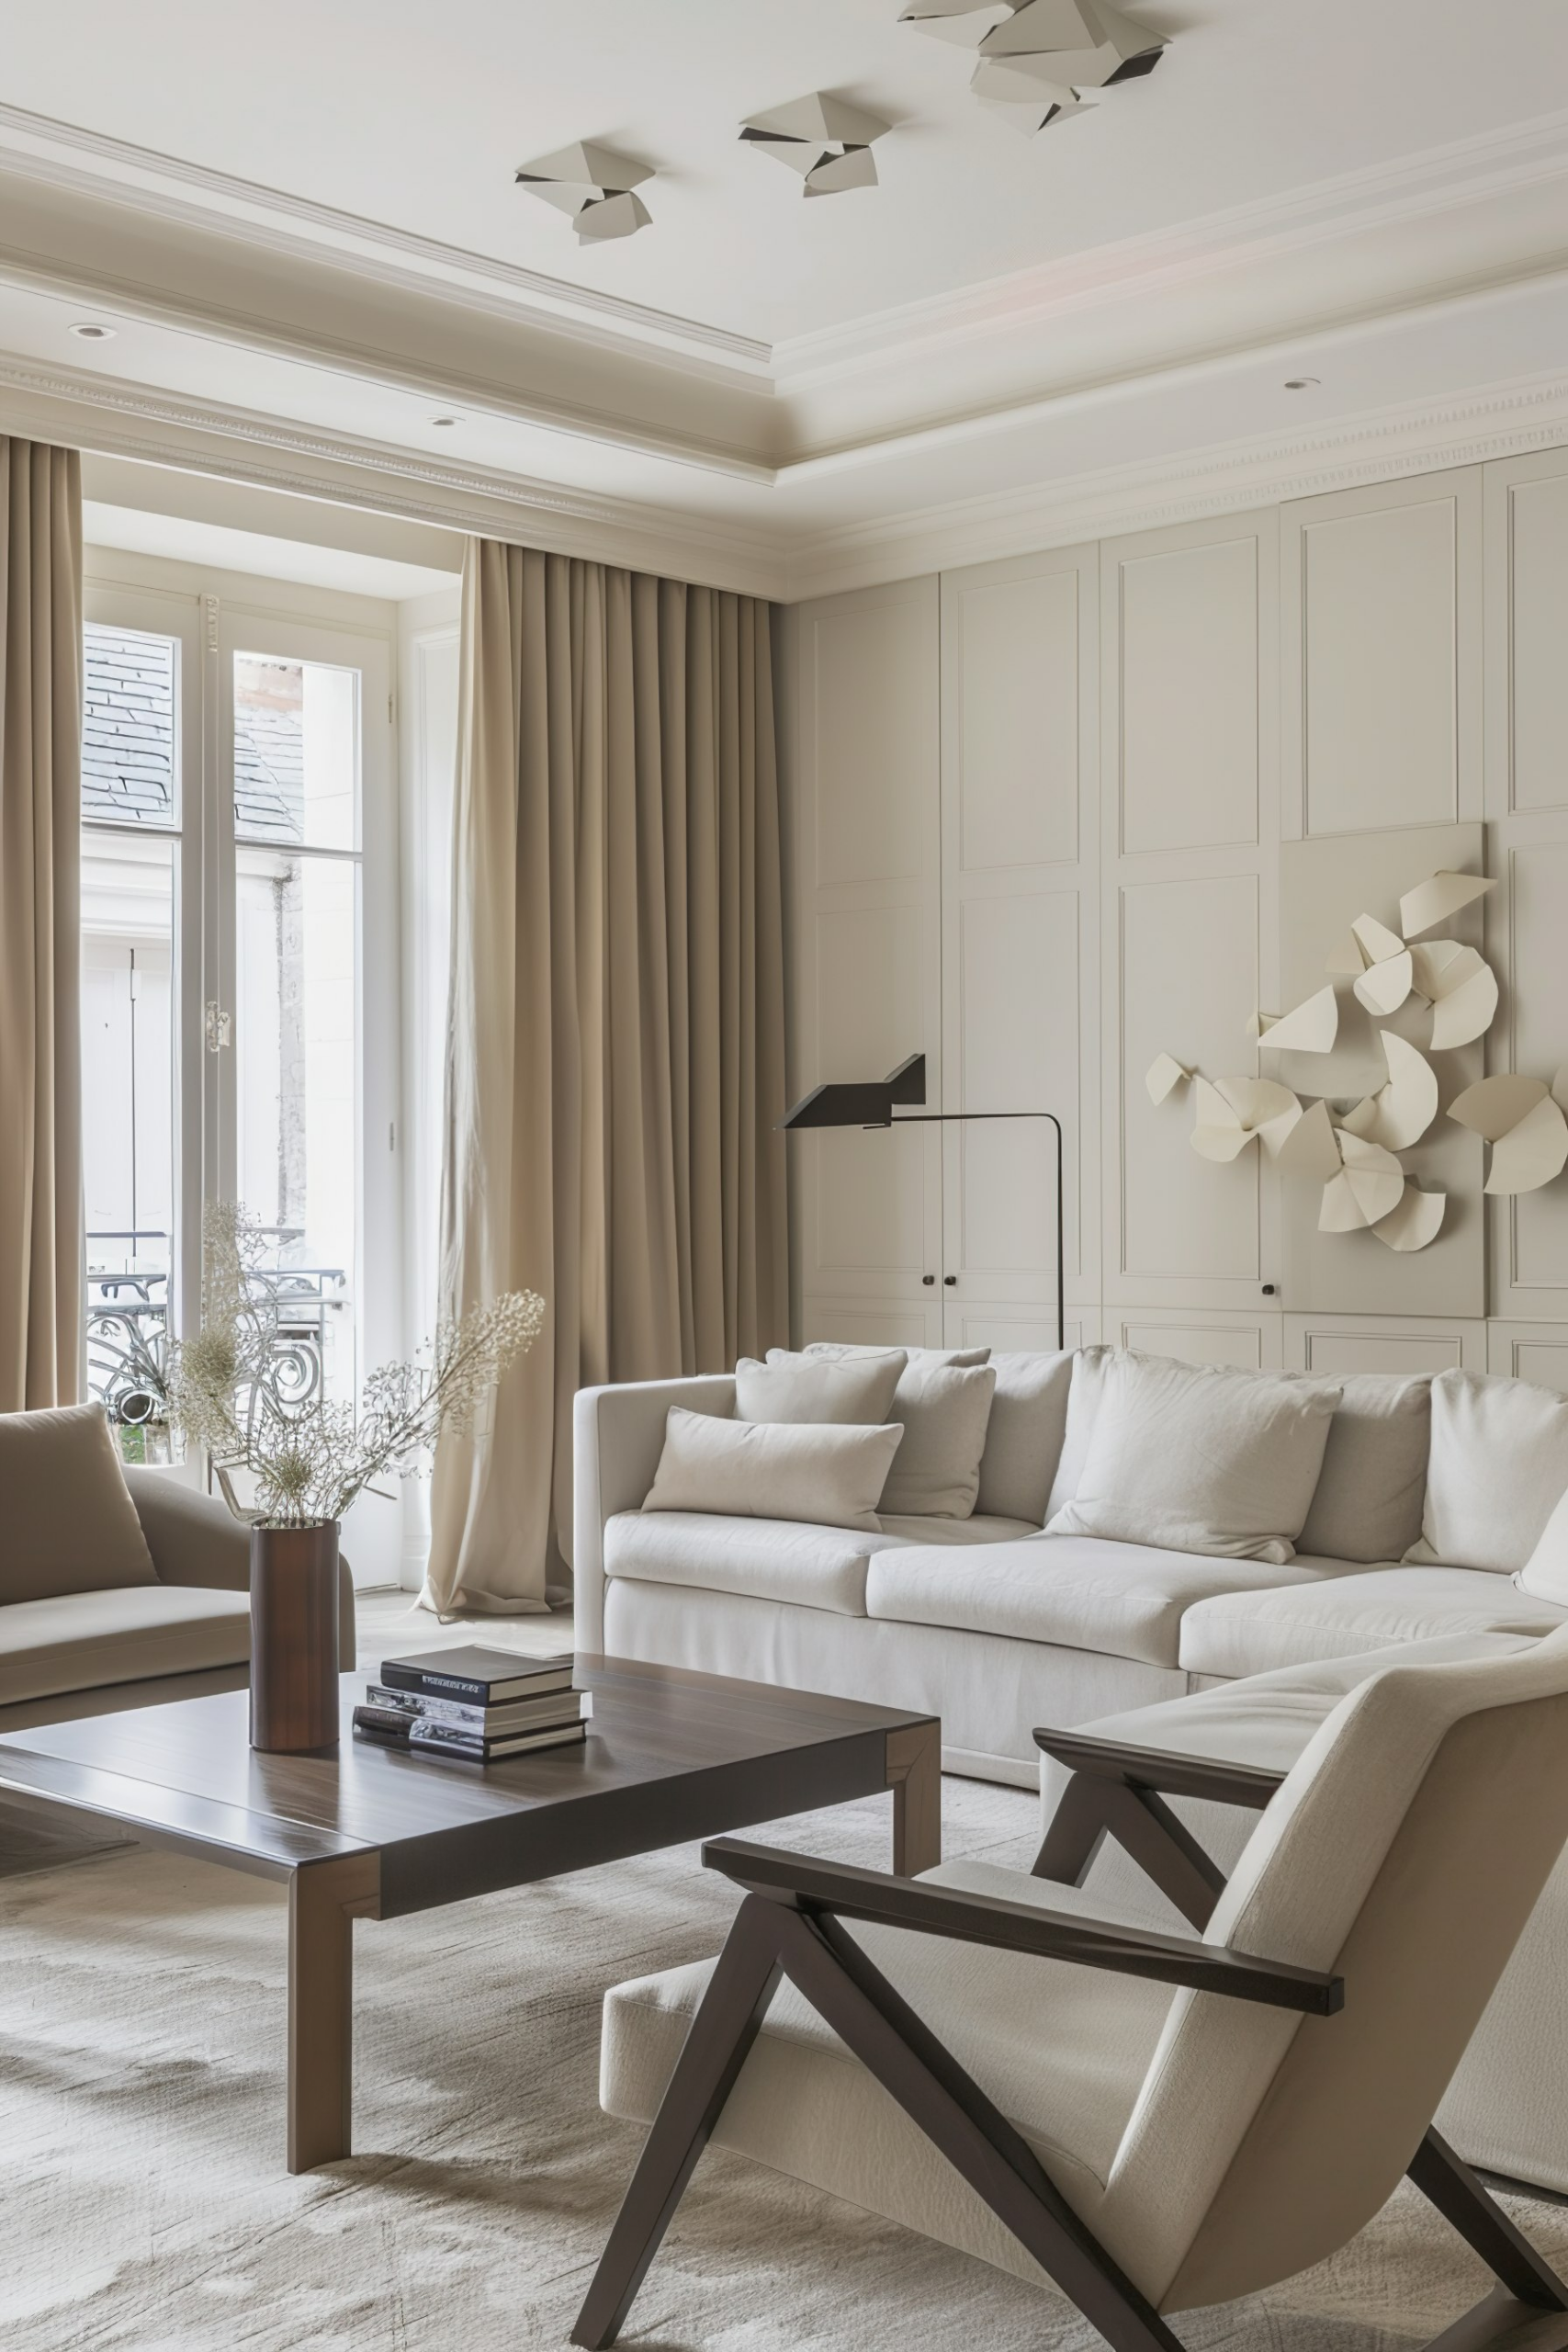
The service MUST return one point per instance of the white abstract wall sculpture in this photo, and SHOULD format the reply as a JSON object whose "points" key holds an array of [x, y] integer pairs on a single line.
{"points": [[827, 143], [593, 186], [1354, 1154], [1037, 57]]}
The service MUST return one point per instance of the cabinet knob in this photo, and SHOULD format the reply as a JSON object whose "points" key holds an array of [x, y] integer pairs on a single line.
{"points": [[949, 1280], [928, 1279]]}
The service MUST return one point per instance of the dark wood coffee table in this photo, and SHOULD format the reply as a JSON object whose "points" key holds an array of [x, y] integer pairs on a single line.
{"points": [[367, 1832]]}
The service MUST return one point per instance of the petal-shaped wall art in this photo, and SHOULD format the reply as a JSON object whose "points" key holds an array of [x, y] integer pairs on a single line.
{"points": [[1164, 1075], [1235, 1111], [1415, 1220], [1310, 1029], [1523, 1121], [1310, 1148], [1462, 989], [1399, 1114], [1433, 902], [1369, 1186]]}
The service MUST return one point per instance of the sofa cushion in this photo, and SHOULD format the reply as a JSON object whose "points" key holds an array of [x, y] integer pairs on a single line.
{"points": [[1544, 1576], [809, 1388], [945, 1409], [1200, 1458], [1090, 1370], [1023, 1440], [768, 1559], [1241, 1632], [980, 1527], [1499, 1460], [84, 1641], [1123, 1599], [1373, 1481], [830, 1474], [70, 1524]]}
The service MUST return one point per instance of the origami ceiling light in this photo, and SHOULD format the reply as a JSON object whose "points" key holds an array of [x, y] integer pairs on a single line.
{"points": [[1235, 1111], [826, 141], [1037, 57], [593, 186], [1522, 1120]]}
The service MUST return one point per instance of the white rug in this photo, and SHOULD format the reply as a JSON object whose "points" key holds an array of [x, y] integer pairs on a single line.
{"points": [[146, 2206]]}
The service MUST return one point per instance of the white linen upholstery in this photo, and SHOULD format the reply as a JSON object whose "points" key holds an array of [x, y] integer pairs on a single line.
{"points": [[817, 1471], [975, 1529], [1544, 1576], [1236, 1633], [1367, 1505], [1200, 1458], [945, 1409], [617, 1436], [811, 1388], [1499, 1462], [1023, 1440], [849, 1351], [1086, 1388], [803, 2106], [80, 1641], [1126, 1599], [772, 1559], [67, 1522], [989, 1690]]}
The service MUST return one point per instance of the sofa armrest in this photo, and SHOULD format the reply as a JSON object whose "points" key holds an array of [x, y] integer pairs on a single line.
{"points": [[617, 1438], [197, 1540]]}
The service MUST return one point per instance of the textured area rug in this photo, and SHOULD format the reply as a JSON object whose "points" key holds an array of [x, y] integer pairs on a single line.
{"points": [[142, 2035]]}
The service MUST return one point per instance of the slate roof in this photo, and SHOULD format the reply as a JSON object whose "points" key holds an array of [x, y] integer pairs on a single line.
{"points": [[128, 743]]}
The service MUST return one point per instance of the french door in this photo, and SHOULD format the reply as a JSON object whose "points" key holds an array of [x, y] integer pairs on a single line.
{"points": [[240, 993]]}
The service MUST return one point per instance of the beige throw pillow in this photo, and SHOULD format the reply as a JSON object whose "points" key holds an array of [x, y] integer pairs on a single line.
{"points": [[945, 1410], [1499, 1460], [831, 1476], [1200, 1458], [1023, 1438], [1545, 1574], [810, 1388], [67, 1522], [1369, 1499]]}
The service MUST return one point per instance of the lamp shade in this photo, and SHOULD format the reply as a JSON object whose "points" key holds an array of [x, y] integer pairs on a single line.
{"points": [[861, 1103]]}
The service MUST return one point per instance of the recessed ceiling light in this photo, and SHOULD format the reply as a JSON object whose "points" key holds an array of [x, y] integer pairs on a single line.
{"points": [[443, 421], [91, 333], [1302, 383]]}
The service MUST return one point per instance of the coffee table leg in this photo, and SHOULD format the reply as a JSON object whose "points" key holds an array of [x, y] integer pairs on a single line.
{"points": [[324, 1898], [914, 1774]]}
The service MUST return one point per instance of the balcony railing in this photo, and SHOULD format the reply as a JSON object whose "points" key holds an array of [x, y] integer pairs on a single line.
{"points": [[127, 1333]]}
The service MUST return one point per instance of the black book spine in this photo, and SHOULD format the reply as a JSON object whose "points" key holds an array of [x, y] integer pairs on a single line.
{"points": [[439, 1686]]}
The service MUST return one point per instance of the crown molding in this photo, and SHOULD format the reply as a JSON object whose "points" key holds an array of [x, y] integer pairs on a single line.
{"points": [[1501, 421], [38, 147], [1437, 179], [118, 418]]}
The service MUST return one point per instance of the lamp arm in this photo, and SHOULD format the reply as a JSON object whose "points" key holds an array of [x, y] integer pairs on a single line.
{"points": [[954, 1118]]}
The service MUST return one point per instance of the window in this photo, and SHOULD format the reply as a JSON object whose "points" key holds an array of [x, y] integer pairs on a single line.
{"points": [[240, 1025]]}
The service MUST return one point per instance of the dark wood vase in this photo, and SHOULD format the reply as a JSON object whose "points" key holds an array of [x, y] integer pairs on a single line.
{"points": [[294, 1644]]}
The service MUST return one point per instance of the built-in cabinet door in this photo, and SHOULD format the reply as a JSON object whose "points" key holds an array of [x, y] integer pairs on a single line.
{"points": [[1020, 1011], [868, 940]]}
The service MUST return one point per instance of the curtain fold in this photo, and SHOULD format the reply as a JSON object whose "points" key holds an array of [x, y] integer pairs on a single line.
{"points": [[616, 1067], [41, 830]]}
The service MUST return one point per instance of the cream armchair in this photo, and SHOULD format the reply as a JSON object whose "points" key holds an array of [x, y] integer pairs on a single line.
{"points": [[1147, 2122]]}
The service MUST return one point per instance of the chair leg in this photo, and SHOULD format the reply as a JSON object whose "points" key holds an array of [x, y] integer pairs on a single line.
{"points": [[1527, 2286], [721, 2034], [1094, 1808]]}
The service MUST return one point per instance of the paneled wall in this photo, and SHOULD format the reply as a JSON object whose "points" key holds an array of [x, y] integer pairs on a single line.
{"points": [[1057, 815]]}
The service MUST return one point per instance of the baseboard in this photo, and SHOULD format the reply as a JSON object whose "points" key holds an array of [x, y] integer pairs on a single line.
{"points": [[971, 1764]]}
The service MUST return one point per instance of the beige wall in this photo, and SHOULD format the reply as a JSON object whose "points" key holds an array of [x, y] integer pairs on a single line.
{"points": [[1057, 814]]}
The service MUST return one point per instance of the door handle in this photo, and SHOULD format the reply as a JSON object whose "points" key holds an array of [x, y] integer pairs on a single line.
{"points": [[949, 1280], [928, 1279]]}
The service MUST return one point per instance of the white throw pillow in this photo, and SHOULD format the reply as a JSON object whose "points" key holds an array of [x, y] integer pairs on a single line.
{"points": [[1023, 1440], [1090, 1367], [1499, 1462], [1545, 1574], [829, 1475], [1200, 1458], [811, 1388], [1369, 1501], [945, 1410]]}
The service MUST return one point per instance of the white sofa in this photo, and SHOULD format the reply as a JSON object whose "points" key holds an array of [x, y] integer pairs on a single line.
{"points": [[984, 1621]]}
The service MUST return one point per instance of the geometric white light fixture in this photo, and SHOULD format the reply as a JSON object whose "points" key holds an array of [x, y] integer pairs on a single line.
{"points": [[826, 142], [593, 186], [1037, 57]]}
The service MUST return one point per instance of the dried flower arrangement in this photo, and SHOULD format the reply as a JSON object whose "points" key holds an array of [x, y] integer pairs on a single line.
{"points": [[310, 1461]]}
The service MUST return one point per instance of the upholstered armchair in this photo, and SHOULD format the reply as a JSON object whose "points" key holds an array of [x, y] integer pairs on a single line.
{"points": [[1146, 2122]]}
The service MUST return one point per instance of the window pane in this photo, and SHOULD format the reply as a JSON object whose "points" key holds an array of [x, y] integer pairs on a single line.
{"points": [[128, 762], [296, 1034], [127, 1126], [296, 752]]}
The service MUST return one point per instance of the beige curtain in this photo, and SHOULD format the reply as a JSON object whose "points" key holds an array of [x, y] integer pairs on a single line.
{"points": [[40, 819], [615, 1070]]}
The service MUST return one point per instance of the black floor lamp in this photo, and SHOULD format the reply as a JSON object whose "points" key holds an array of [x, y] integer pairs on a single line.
{"points": [[872, 1104]]}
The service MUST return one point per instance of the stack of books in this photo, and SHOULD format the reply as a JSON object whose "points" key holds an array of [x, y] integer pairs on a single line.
{"points": [[473, 1705]]}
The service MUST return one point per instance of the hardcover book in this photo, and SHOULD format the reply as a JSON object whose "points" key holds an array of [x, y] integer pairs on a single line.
{"points": [[483, 1677]]}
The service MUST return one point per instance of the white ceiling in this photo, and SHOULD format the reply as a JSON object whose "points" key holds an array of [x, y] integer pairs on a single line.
{"points": [[305, 232]]}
